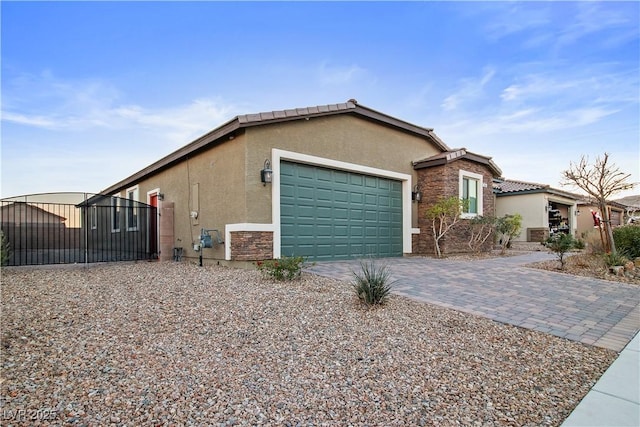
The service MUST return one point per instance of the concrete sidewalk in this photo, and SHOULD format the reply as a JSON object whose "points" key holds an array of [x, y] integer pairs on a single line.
{"points": [[615, 399]]}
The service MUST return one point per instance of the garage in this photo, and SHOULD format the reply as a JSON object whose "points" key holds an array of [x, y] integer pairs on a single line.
{"points": [[329, 214]]}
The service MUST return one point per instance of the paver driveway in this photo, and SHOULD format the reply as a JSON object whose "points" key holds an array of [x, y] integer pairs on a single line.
{"points": [[592, 311]]}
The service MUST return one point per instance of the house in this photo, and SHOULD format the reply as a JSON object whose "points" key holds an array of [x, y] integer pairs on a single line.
{"points": [[22, 214], [328, 182], [589, 212], [545, 210]]}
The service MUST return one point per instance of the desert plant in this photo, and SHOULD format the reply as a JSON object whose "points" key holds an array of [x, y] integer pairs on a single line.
{"points": [[561, 243], [627, 240], [480, 229], [444, 214], [508, 227], [5, 249], [615, 259], [372, 284], [285, 268]]}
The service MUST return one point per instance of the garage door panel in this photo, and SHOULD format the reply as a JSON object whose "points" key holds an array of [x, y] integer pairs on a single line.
{"points": [[331, 214]]}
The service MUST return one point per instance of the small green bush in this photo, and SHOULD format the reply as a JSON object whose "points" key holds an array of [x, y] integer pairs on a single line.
{"points": [[561, 243], [372, 284], [285, 268], [615, 259], [627, 240], [579, 244]]}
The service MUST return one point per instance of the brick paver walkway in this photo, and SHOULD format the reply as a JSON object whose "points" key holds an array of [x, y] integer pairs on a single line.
{"points": [[592, 311]]}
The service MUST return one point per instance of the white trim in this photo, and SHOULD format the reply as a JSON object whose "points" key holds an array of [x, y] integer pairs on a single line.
{"points": [[466, 174], [136, 195], [415, 231], [150, 193], [277, 155], [229, 228], [118, 205]]}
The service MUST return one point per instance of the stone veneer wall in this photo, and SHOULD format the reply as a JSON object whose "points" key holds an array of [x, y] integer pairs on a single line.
{"points": [[251, 245], [443, 181]]}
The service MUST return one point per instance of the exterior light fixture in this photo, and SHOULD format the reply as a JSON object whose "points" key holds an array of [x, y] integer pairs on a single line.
{"points": [[416, 195], [266, 174], [160, 196]]}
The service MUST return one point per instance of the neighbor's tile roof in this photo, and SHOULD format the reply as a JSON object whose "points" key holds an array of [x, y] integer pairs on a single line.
{"points": [[512, 186]]}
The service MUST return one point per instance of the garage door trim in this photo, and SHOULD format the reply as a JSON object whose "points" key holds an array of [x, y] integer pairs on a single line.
{"points": [[277, 155]]}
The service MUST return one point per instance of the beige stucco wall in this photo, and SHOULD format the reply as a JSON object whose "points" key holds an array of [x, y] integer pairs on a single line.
{"points": [[530, 206], [344, 138], [219, 173], [230, 190]]}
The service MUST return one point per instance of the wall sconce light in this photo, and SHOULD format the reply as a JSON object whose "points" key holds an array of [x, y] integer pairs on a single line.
{"points": [[266, 174], [160, 196], [416, 195]]}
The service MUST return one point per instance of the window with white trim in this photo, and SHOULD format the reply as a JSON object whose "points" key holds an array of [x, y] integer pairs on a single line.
{"points": [[93, 217], [470, 192], [115, 213], [132, 209]]}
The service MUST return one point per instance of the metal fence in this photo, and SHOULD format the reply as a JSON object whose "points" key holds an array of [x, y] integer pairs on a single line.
{"points": [[66, 228]]}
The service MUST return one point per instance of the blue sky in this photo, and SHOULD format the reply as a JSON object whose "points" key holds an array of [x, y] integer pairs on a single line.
{"points": [[93, 92]]}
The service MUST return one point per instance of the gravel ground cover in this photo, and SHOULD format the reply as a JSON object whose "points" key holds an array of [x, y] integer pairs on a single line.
{"points": [[155, 344]]}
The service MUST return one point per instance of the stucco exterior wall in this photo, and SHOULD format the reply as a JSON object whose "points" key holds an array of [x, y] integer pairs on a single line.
{"points": [[344, 138], [530, 206], [219, 198]]}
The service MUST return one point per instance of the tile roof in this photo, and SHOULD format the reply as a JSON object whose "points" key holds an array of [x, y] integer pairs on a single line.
{"points": [[455, 154], [512, 186], [226, 131]]}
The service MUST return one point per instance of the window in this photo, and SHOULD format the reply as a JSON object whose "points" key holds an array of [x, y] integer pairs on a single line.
{"points": [[471, 194], [93, 217], [115, 213], [132, 209]]}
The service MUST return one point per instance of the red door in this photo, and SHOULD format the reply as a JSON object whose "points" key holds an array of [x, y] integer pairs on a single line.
{"points": [[153, 226]]}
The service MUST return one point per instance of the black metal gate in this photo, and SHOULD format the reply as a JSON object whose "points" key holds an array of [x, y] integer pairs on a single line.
{"points": [[66, 228]]}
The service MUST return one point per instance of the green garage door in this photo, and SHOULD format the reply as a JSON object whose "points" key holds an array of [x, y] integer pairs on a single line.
{"points": [[333, 214]]}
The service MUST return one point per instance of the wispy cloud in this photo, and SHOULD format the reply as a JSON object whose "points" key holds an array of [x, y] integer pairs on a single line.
{"points": [[469, 89], [56, 104], [339, 75], [558, 26]]}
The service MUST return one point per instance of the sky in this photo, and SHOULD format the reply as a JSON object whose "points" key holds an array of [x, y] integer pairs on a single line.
{"points": [[92, 92]]}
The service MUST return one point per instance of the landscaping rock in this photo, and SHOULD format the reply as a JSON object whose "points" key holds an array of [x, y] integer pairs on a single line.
{"points": [[176, 344]]}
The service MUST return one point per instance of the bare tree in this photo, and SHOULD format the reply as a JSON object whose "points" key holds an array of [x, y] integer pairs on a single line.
{"points": [[444, 214], [600, 181]]}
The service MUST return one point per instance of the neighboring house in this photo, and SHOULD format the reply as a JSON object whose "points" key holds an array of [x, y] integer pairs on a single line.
{"points": [[586, 210], [545, 210], [329, 182], [23, 214], [632, 209]]}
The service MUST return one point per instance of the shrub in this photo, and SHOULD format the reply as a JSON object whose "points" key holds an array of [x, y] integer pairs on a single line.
{"points": [[560, 243], [627, 239], [5, 249], [285, 268], [508, 227], [372, 284], [579, 244], [615, 259]]}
